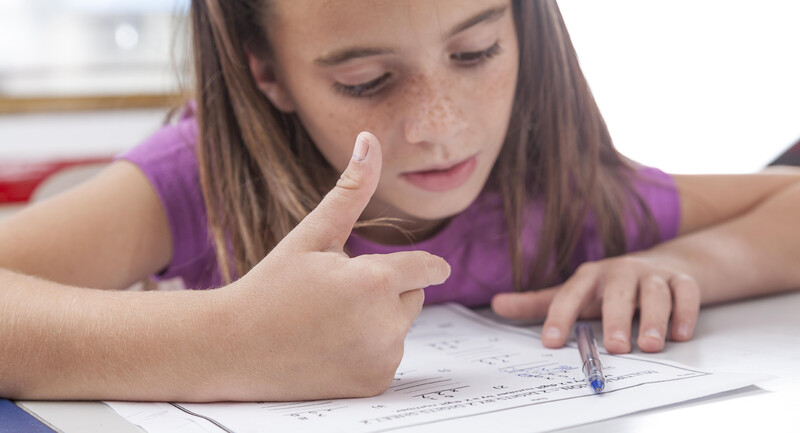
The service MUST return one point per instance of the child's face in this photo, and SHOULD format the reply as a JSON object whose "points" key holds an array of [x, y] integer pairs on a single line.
{"points": [[433, 80]]}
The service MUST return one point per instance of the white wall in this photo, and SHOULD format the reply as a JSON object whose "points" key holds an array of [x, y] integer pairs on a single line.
{"points": [[693, 86], [685, 85], [80, 134]]}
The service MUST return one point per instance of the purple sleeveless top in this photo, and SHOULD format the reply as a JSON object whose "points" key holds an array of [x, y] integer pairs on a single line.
{"points": [[474, 242]]}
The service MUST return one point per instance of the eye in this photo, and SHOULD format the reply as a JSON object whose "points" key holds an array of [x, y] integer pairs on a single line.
{"points": [[474, 58], [364, 89]]}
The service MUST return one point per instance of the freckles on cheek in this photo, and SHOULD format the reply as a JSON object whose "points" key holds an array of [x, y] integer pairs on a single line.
{"points": [[497, 96], [339, 123], [500, 89], [335, 130], [361, 116]]}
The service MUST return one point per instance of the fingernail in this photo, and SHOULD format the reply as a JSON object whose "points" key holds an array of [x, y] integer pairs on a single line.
{"points": [[552, 334], [653, 333], [684, 331], [361, 148], [620, 336]]}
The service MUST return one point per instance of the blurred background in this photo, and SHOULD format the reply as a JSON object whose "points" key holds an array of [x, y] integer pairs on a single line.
{"points": [[693, 86], [689, 86], [80, 81], [78, 48]]}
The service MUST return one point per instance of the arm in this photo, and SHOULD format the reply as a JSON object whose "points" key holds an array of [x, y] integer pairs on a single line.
{"points": [[738, 239], [60, 341], [707, 200], [307, 322], [106, 233], [748, 243]]}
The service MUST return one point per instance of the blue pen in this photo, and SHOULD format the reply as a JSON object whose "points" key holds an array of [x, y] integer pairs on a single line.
{"points": [[592, 368]]}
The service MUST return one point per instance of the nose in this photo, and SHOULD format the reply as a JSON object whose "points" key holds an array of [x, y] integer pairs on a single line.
{"points": [[432, 115]]}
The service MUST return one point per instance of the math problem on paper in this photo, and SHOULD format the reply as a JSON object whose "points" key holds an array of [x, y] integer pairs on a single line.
{"points": [[466, 372]]}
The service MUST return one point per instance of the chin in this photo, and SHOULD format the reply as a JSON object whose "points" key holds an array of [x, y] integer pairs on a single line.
{"points": [[438, 208]]}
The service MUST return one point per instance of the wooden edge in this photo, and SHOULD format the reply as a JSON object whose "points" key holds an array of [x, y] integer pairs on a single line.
{"points": [[79, 103]]}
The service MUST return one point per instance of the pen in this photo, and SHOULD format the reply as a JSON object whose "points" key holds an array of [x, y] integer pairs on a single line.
{"points": [[592, 368]]}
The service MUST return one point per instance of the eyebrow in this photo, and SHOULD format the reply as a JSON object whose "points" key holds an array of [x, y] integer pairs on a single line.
{"points": [[339, 57], [489, 15], [342, 56]]}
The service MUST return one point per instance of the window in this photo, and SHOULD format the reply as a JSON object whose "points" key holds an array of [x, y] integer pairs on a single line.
{"points": [[91, 48]]}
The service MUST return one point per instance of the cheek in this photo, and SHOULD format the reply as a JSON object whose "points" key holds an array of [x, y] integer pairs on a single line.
{"points": [[497, 95], [344, 121], [495, 100], [333, 128]]}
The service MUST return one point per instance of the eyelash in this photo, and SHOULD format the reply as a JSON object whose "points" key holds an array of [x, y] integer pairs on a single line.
{"points": [[363, 89], [474, 58], [370, 88]]}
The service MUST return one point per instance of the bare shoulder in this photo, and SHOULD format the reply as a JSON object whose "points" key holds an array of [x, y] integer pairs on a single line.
{"points": [[711, 199], [107, 232]]}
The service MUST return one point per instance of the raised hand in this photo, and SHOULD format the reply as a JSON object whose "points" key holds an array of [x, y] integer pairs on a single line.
{"points": [[310, 322]]}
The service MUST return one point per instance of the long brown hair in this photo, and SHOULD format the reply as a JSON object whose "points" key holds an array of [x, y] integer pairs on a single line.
{"points": [[261, 174]]}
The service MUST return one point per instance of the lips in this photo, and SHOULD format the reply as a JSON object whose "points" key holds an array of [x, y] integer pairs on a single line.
{"points": [[443, 178]]}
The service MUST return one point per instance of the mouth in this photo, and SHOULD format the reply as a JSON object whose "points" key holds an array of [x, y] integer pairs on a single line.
{"points": [[443, 177]]}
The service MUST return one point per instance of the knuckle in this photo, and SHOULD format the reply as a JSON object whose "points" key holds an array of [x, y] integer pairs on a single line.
{"points": [[376, 370], [418, 297], [628, 260], [347, 182], [653, 283], [430, 267], [369, 385], [615, 292], [561, 305], [380, 277], [588, 268], [375, 385], [625, 263], [686, 285], [382, 376]]}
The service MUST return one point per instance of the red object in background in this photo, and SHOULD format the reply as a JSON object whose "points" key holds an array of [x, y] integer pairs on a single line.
{"points": [[18, 181]]}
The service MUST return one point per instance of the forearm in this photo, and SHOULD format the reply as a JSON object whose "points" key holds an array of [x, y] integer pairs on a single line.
{"points": [[754, 254], [62, 342], [754, 250]]}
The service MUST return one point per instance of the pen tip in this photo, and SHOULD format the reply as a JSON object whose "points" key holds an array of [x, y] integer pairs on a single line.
{"points": [[598, 385]]}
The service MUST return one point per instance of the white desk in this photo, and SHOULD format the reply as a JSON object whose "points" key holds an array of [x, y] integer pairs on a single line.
{"points": [[758, 336]]}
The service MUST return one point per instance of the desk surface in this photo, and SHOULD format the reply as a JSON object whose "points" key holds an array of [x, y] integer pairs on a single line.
{"points": [[754, 336]]}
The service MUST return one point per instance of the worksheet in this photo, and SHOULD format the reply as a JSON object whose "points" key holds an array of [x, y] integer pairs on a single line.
{"points": [[461, 372]]}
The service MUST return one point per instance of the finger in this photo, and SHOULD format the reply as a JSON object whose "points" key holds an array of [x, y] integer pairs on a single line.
{"points": [[329, 225], [411, 302], [573, 297], [531, 305], [619, 304], [403, 271], [686, 307], [655, 306]]}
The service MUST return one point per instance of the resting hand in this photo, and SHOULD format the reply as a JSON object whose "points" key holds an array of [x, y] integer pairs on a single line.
{"points": [[613, 288]]}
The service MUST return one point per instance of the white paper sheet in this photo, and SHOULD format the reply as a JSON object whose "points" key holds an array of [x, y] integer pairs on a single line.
{"points": [[462, 371]]}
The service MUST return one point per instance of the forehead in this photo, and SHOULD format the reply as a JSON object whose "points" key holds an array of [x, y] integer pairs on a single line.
{"points": [[317, 24]]}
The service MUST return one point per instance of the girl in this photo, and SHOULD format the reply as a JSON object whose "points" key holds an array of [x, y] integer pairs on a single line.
{"points": [[494, 168]]}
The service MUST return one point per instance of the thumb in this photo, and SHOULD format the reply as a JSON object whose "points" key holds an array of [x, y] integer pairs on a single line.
{"points": [[531, 305], [329, 225]]}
